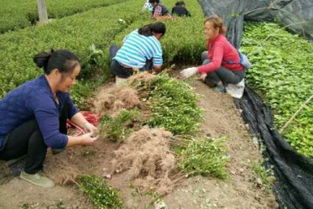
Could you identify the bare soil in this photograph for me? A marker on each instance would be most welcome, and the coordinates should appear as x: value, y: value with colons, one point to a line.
x: 221, y: 118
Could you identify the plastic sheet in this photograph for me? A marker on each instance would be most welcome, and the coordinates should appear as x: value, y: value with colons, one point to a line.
x: 296, y: 15
x: 294, y: 172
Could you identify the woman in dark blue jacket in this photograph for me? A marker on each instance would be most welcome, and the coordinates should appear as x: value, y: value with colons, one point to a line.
x: 33, y: 116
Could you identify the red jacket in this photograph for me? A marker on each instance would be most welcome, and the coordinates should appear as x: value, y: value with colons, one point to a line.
x: 218, y: 50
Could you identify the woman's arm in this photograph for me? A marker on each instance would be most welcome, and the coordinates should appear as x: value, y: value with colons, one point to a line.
x: 216, y: 61
x: 80, y: 120
x: 86, y: 139
x: 164, y: 17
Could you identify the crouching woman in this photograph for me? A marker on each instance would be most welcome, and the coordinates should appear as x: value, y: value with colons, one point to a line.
x: 222, y: 62
x: 141, y: 51
x: 33, y: 116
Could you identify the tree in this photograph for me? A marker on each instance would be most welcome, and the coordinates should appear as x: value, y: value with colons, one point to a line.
x: 42, y: 11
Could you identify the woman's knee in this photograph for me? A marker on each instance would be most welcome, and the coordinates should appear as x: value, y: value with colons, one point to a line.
x: 204, y: 56
x: 205, y: 62
x: 113, y: 50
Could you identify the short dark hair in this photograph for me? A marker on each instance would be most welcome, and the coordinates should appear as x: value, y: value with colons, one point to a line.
x: 180, y: 3
x: 63, y: 60
x: 156, y: 27
x: 154, y: 1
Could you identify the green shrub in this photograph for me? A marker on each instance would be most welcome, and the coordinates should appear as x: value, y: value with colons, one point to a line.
x: 116, y: 128
x: 76, y: 33
x: 173, y: 105
x: 204, y: 157
x: 99, y: 193
x: 23, y: 13
x: 184, y: 38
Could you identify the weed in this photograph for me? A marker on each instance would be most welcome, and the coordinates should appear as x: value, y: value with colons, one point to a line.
x: 25, y: 206
x: 265, y: 177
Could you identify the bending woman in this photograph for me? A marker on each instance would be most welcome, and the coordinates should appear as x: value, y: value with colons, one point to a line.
x: 33, y: 116
x: 221, y: 63
x: 141, y: 50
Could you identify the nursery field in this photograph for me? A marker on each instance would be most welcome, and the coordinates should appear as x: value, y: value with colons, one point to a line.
x: 20, y: 14
x: 164, y: 141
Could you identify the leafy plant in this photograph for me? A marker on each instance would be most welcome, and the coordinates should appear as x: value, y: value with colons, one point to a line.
x: 265, y: 176
x: 173, y: 105
x: 204, y: 157
x: 93, y: 63
x: 99, y: 193
x: 282, y: 73
x: 117, y: 128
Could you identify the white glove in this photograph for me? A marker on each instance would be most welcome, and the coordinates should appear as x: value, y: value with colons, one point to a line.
x: 203, y: 76
x: 188, y: 72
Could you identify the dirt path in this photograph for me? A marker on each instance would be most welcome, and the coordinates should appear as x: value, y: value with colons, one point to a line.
x: 221, y: 118
x: 240, y: 191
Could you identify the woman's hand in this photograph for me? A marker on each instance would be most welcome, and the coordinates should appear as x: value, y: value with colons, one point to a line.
x: 88, y: 139
x: 203, y: 76
x: 188, y: 72
x: 85, y: 139
x: 89, y: 128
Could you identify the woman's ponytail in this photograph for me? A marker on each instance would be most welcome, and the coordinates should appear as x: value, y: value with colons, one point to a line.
x: 156, y: 27
x: 145, y: 30
x: 42, y: 59
x: 63, y: 60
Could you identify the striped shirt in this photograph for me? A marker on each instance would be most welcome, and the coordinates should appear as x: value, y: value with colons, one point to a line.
x: 137, y: 49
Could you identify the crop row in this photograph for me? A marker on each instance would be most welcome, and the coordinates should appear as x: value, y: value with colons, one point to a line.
x: 23, y: 13
x: 282, y: 73
x: 76, y: 33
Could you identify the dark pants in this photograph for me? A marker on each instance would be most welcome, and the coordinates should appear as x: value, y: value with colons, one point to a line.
x: 223, y: 75
x: 121, y: 71
x: 27, y: 139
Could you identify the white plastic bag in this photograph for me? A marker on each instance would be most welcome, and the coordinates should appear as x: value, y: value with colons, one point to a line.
x: 236, y: 90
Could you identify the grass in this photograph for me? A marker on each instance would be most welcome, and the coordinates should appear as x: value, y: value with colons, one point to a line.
x: 265, y: 177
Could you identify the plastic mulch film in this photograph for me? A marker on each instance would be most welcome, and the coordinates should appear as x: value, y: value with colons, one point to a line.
x: 294, y: 172
x: 296, y: 15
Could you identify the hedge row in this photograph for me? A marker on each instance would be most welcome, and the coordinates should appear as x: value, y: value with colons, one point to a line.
x: 184, y: 38
x: 76, y: 33
x: 23, y: 13
x: 183, y: 42
x: 282, y: 72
